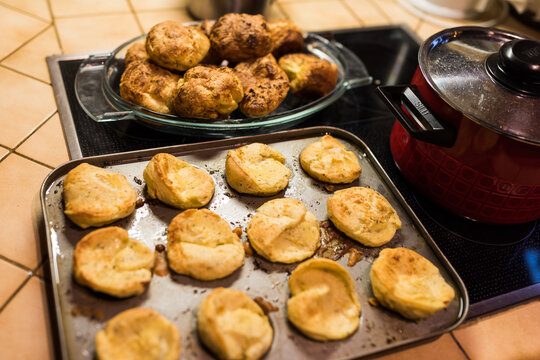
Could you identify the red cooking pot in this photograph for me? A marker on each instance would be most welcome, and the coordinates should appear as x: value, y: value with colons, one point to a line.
x: 468, y: 129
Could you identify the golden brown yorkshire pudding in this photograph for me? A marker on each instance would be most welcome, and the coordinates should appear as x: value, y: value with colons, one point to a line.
x: 136, y: 52
x: 286, y: 37
x: 208, y: 92
x: 265, y: 85
x: 175, y: 46
x: 148, y: 85
x: 309, y: 76
x: 239, y: 37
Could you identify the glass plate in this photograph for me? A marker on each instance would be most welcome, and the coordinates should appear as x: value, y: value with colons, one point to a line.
x: 97, y: 90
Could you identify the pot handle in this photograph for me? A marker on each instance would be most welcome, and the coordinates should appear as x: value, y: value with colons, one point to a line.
x: 415, y: 116
x: 89, y: 92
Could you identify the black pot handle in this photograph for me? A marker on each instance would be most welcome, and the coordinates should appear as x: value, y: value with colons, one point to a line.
x: 419, y: 120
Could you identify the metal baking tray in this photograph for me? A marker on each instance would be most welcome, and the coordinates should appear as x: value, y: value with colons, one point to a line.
x: 81, y: 313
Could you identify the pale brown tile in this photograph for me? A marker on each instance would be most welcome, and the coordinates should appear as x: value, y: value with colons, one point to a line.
x: 275, y: 13
x: 50, y: 137
x: 397, y: 14
x: 20, y: 210
x: 61, y: 8
x: 20, y: 28
x: 30, y: 59
x: 427, y: 29
x: 444, y: 348
x: 158, y: 4
x: 315, y: 15
x: 151, y: 18
x: 25, y: 104
x: 37, y: 8
x: 370, y: 14
x: 26, y: 326
x: 96, y: 33
x: 512, y: 334
x: 12, y: 277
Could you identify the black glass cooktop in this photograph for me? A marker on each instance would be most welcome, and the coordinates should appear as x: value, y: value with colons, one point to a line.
x: 499, y: 265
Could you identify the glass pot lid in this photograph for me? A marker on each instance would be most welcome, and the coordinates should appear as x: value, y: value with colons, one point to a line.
x: 490, y: 75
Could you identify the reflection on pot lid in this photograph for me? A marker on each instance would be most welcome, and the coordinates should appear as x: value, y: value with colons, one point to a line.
x: 497, y: 86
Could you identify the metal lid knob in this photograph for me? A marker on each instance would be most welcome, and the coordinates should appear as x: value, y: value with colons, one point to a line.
x: 517, y: 66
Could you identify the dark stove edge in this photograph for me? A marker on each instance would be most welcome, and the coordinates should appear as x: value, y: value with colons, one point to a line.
x: 501, y: 302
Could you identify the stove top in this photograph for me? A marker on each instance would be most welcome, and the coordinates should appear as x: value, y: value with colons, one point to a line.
x: 500, y: 266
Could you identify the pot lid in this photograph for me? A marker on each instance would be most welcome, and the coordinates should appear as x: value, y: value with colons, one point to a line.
x: 490, y: 75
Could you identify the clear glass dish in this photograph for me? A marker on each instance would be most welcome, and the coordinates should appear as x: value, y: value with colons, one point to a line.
x: 98, y: 78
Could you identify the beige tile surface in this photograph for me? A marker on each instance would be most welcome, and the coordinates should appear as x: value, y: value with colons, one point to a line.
x: 30, y: 59
x: 314, y: 15
x: 25, y: 324
x: 38, y: 8
x: 96, y: 33
x: 275, y: 13
x: 21, y: 181
x: 20, y: 27
x: 158, y: 4
x: 426, y: 29
x: 368, y: 12
x: 25, y: 104
x: 47, y: 144
x: 397, y: 14
x: 151, y: 18
x: 12, y: 277
x: 62, y: 8
x: 444, y: 348
x: 512, y: 334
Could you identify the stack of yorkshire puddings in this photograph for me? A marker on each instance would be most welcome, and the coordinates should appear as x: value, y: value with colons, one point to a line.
x: 181, y: 69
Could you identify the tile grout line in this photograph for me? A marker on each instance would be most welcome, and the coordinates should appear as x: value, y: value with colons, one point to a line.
x: 8, y: 6
x: 12, y: 296
x: 374, y: 3
x: 353, y: 13
x: 79, y: 16
x: 41, y: 265
x: 15, y: 263
x: 136, y: 16
x: 459, y: 345
x: 27, y: 41
x: 55, y: 27
x: 24, y: 74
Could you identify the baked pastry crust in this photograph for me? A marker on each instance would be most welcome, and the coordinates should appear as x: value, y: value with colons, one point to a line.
x: 363, y: 215
x: 233, y: 326
x: 328, y: 160
x: 208, y: 92
x: 408, y: 283
x: 108, y: 261
x: 323, y: 304
x: 256, y: 169
x: 239, y: 37
x: 95, y: 197
x: 177, y: 183
x: 202, y: 245
x: 138, y: 334
x: 146, y: 84
x: 283, y: 230
x: 309, y: 76
x: 136, y: 52
x: 175, y: 46
x: 265, y: 85
x: 286, y: 37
